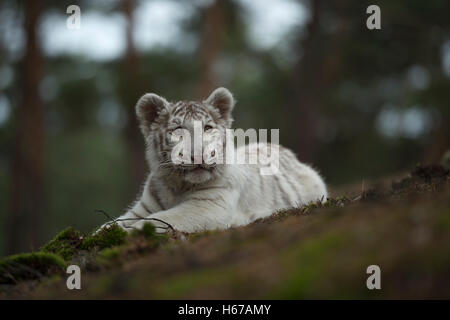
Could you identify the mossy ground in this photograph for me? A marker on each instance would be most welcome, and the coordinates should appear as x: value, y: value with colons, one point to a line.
x: 33, y: 265
x: 318, y: 251
x: 92, y: 252
x: 64, y: 244
x: 105, y: 238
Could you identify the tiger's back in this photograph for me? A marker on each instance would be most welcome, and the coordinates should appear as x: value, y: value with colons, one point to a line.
x: 294, y: 185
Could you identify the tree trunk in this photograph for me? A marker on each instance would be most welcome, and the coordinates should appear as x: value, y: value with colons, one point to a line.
x: 314, y: 74
x: 132, y: 91
x: 28, y: 204
x: 439, y: 144
x: 210, y: 47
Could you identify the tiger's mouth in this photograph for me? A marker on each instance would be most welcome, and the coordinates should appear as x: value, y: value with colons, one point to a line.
x: 199, y: 167
x: 195, y: 168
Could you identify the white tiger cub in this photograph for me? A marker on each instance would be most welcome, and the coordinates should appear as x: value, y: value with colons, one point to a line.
x: 206, y: 195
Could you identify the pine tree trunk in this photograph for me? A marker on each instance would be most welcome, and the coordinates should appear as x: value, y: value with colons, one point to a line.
x: 132, y: 92
x: 211, y: 45
x: 317, y: 70
x: 28, y: 202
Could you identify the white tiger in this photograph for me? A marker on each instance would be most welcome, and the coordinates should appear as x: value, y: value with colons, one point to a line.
x: 208, y: 195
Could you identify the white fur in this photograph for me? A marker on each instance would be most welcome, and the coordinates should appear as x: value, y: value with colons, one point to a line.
x: 237, y: 198
x: 228, y: 195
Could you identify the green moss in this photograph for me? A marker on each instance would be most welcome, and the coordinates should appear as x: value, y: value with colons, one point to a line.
x: 64, y: 244
x: 108, y: 255
x: 105, y: 238
x: 148, y: 231
x: 336, y: 202
x: 30, y: 266
x: 306, y: 264
x: 181, y: 286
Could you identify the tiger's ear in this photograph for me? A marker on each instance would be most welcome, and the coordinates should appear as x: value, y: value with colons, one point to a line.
x: 223, y: 101
x: 148, y: 108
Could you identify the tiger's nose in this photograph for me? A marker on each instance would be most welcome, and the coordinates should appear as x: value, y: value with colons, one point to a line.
x: 196, y: 159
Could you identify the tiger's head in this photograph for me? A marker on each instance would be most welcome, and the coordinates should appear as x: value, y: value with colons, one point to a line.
x: 186, y: 138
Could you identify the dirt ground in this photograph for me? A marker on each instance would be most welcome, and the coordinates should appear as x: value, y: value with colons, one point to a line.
x: 401, y: 224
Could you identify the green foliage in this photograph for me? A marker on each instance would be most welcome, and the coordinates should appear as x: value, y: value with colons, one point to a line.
x: 30, y: 266
x: 148, y: 231
x: 107, y: 256
x: 110, y: 253
x: 141, y: 240
x: 64, y: 244
x: 105, y: 238
x: 71, y: 170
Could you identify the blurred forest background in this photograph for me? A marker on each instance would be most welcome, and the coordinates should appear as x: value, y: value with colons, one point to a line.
x: 356, y: 103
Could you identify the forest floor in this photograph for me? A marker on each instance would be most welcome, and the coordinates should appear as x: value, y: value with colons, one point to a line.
x: 400, y: 224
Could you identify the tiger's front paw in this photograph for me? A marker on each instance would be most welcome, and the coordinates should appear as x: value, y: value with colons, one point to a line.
x: 104, y: 226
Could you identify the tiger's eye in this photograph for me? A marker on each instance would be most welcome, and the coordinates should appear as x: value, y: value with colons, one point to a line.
x: 207, y: 128
x: 175, y: 129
